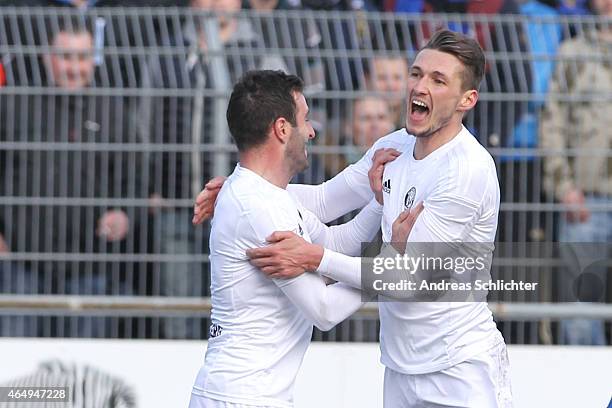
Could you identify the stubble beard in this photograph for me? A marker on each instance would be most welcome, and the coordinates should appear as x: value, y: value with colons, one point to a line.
x: 433, y: 129
x: 298, y: 162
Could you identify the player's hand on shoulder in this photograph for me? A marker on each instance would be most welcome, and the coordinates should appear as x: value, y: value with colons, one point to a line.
x: 375, y: 174
x: 204, y: 206
x: 402, y: 226
x: 287, y: 256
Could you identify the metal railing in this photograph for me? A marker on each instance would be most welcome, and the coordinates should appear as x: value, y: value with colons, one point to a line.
x: 141, y: 127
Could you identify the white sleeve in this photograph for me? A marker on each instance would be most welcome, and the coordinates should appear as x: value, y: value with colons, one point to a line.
x: 347, y: 269
x: 325, y: 306
x: 341, y: 268
x: 349, y: 189
x: 349, y: 237
x: 332, y: 199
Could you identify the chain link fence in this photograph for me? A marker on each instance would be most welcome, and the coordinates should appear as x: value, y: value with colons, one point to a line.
x: 111, y: 121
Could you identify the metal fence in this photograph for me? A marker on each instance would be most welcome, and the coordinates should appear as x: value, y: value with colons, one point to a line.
x: 112, y: 120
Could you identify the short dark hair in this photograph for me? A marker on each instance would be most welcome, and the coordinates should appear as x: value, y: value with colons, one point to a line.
x: 258, y: 99
x: 466, y: 50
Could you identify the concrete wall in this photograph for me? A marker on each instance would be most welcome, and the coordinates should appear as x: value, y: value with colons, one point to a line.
x: 333, y: 374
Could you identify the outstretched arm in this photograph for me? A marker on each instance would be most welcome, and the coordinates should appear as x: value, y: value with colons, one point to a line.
x: 347, y: 191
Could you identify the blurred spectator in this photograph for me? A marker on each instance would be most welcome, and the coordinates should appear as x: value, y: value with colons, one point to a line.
x: 582, y: 180
x: 280, y: 32
x: 109, y: 30
x: 266, y: 5
x: 184, y: 123
x: 543, y: 39
x: 403, y: 6
x: 371, y: 120
x: 69, y: 193
x: 235, y: 33
x: 388, y: 74
x: 368, y: 121
x: 573, y: 7
x: 337, y: 5
x: 84, y: 4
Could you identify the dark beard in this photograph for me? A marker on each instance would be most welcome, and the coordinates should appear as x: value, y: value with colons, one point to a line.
x: 297, y: 162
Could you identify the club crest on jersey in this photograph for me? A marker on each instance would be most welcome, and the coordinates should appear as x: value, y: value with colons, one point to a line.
x: 215, y: 330
x: 386, y: 187
x: 409, y: 198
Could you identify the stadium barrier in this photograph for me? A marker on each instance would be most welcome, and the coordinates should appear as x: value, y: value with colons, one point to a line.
x: 146, y: 128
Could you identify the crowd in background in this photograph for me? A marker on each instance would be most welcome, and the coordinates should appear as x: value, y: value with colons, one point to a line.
x: 563, y: 7
x: 121, y: 198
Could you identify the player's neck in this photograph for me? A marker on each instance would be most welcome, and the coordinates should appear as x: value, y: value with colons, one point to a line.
x: 425, y: 145
x: 266, y: 167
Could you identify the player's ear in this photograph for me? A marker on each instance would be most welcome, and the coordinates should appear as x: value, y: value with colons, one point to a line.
x: 468, y: 100
x: 281, y: 129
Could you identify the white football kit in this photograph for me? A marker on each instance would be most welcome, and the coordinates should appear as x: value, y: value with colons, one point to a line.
x: 262, y: 327
x: 459, y: 188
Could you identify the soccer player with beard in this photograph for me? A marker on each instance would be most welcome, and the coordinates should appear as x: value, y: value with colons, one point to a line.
x: 262, y: 327
x: 439, y: 354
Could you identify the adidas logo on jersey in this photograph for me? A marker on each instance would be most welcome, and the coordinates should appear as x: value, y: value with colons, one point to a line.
x: 387, y: 186
x: 299, y: 230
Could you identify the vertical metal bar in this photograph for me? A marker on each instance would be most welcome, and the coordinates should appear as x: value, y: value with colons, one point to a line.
x: 221, y: 83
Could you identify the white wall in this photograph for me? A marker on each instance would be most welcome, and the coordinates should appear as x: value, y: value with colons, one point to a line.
x: 333, y: 374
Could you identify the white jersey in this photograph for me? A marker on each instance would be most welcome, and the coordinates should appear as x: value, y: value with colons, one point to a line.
x: 458, y: 185
x: 262, y: 327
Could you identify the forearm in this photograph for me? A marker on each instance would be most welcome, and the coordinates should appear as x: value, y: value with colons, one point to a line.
x: 341, y: 268
x: 324, y: 305
x: 348, y: 238
x: 349, y: 270
x: 387, y: 276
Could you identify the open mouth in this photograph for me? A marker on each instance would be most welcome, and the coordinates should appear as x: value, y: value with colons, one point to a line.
x: 419, y: 109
